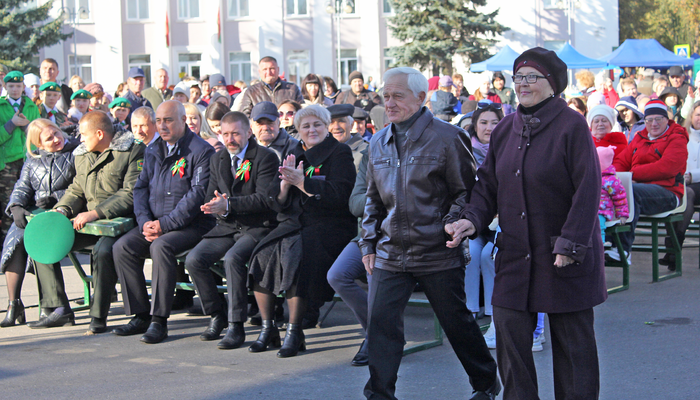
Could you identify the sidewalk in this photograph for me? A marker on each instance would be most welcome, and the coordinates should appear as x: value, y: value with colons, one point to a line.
x: 647, y: 338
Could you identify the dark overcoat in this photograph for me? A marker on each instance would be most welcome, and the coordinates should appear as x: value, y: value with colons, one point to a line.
x: 543, y: 179
x: 324, y: 219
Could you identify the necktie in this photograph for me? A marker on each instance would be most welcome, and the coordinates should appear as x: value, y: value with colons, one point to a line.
x: 234, y: 166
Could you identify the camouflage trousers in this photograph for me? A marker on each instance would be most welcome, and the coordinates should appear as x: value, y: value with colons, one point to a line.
x: 8, y: 178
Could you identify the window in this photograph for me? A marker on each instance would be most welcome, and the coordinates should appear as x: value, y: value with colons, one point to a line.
x: 190, y: 64
x: 348, y: 5
x: 296, y: 7
x: 238, y: 8
x: 188, y: 9
x: 387, y: 7
x: 348, y: 63
x: 81, y: 8
x: 240, y: 66
x: 136, y: 9
x: 554, y: 45
x: 388, y: 59
x: 83, y: 69
x: 298, y: 65
x: 142, y: 61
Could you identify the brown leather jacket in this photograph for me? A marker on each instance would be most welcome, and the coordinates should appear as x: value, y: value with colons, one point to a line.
x: 259, y: 92
x: 411, y: 198
x: 365, y: 100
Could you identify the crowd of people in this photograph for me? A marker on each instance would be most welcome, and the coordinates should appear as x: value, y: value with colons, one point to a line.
x: 506, y: 189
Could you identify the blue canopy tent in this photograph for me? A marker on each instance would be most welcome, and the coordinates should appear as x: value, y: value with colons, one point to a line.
x: 644, y: 53
x: 503, y: 60
x: 576, y: 60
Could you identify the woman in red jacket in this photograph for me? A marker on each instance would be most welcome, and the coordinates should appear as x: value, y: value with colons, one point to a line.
x: 657, y: 158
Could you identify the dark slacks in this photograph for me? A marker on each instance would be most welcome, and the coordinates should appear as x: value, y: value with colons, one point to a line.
x: 129, y: 253
x: 346, y: 268
x: 574, y: 354
x: 236, y: 251
x: 648, y: 199
x: 388, y: 296
x: 52, y: 289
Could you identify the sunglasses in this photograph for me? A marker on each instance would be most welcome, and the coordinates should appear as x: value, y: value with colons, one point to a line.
x: 482, y: 104
x: 289, y: 114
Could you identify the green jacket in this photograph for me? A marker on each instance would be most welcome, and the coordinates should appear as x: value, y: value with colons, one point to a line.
x: 12, y: 143
x: 104, y: 181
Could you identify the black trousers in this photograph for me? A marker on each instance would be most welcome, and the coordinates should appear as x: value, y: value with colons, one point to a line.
x: 52, y: 291
x: 129, y: 253
x: 389, y: 293
x: 574, y: 354
x: 236, y: 251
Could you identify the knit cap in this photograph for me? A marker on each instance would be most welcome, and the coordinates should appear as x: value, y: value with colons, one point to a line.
x: 604, y: 110
x: 656, y: 107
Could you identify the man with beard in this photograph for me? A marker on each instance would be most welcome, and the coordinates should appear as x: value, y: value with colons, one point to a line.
x: 240, y: 175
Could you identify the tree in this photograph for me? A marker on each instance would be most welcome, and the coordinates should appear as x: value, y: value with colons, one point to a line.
x: 24, y: 30
x: 670, y: 22
x: 435, y: 31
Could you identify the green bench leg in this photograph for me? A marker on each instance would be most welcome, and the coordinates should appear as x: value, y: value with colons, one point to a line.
x: 614, y: 233
x: 86, y: 279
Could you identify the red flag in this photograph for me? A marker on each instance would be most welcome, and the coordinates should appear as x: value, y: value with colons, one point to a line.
x: 218, y: 23
x: 167, y: 31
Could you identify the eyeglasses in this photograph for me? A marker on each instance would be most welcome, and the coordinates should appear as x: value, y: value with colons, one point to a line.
x: 658, y: 120
x: 482, y: 104
x: 532, y: 78
x: 289, y: 114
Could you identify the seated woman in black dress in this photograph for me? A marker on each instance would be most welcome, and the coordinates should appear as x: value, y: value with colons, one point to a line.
x: 311, y: 196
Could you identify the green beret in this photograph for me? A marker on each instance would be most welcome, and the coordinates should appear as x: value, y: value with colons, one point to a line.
x: 14, y: 76
x: 81, y: 94
x: 50, y: 87
x: 119, y: 102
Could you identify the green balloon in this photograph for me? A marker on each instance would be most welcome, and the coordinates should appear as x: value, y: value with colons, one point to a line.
x: 49, y: 237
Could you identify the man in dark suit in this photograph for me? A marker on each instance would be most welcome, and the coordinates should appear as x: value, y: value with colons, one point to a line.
x: 239, y: 178
x: 167, y: 200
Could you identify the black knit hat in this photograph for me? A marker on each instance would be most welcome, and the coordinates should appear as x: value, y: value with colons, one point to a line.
x: 548, y: 63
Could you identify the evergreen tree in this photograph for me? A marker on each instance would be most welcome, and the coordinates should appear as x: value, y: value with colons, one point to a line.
x: 434, y: 31
x: 25, y: 30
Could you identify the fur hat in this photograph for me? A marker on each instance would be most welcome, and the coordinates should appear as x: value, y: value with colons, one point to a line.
x: 548, y: 63
x: 605, y: 157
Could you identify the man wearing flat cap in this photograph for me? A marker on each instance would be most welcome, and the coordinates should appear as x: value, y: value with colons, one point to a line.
x: 357, y: 95
x: 135, y: 83
x: 50, y: 95
x: 341, y: 129
x: 359, y: 123
x: 677, y: 77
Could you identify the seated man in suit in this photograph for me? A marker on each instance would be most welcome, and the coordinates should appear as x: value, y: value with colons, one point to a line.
x: 239, y: 178
x: 167, y: 200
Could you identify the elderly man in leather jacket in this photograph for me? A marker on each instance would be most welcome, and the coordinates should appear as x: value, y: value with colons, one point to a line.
x: 419, y: 176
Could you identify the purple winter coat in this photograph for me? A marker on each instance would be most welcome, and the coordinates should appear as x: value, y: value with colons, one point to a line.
x: 543, y: 179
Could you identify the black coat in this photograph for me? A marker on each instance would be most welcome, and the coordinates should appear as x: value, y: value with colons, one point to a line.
x: 249, y: 211
x: 324, y: 219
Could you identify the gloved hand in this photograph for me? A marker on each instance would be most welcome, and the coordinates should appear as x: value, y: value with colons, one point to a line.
x: 19, y: 215
x: 46, y: 202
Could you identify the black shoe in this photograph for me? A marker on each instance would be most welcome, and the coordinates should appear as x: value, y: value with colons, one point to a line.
x: 255, y: 320
x: 45, y: 312
x: 235, y: 337
x: 54, y: 320
x: 156, y: 333
x: 269, y: 336
x: 362, y: 357
x: 216, y: 325
x: 309, y: 323
x: 98, y: 325
x: 134, y: 327
x: 14, y: 315
x: 183, y: 300
x: 489, y: 394
x: 294, y: 341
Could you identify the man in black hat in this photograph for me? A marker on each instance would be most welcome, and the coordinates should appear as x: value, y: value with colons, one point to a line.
x: 265, y: 122
x: 135, y: 83
x: 217, y: 83
x: 236, y: 196
x: 677, y: 78
x: 270, y: 88
x: 359, y: 123
x: 341, y: 129
x: 358, y: 95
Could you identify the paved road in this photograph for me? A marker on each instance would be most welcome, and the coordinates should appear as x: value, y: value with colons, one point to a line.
x: 647, y: 337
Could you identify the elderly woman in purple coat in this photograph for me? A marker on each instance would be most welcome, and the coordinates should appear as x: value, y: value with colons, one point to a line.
x: 542, y: 177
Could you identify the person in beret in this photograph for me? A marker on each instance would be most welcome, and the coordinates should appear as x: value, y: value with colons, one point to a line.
x: 50, y: 95
x: 357, y: 95
x: 16, y: 112
x: 99, y: 100
x: 81, y: 105
x: 120, y: 109
x: 542, y: 177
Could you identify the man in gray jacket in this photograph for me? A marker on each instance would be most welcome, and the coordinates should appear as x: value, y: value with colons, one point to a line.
x: 418, y: 179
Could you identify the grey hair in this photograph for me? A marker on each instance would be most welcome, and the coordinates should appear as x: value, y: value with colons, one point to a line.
x: 145, y: 112
x: 313, y: 110
x: 348, y: 119
x: 416, y: 81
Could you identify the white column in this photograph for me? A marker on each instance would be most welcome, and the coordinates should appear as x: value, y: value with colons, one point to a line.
x: 324, y: 38
x: 270, y: 16
x: 370, y: 50
x: 160, y: 54
x: 108, y: 56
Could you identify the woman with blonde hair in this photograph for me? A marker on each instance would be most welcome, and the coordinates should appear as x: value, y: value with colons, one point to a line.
x: 46, y: 174
x: 76, y: 83
x: 585, y: 81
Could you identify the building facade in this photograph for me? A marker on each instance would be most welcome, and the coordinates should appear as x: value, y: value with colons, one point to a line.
x: 198, y: 37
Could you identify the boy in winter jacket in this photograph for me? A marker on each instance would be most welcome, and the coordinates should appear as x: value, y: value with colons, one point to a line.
x: 613, y: 197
